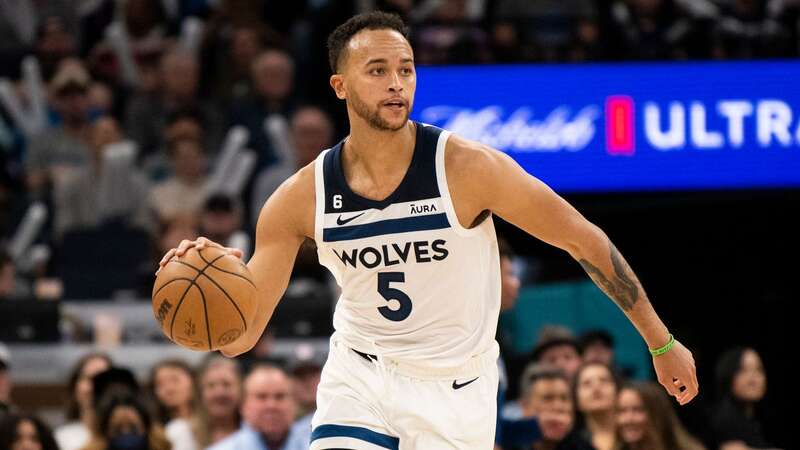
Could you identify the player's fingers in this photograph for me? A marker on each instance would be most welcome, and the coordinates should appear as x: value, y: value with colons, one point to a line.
x: 205, y: 242
x: 165, y: 259
x: 671, y: 388
x: 235, y: 252
x: 184, y: 246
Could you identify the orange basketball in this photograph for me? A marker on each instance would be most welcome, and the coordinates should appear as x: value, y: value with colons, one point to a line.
x: 204, y: 299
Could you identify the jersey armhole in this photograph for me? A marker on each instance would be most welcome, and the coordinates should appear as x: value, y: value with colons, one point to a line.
x: 444, y: 190
x: 319, y: 196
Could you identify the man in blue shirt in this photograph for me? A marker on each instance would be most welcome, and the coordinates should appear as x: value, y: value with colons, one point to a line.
x: 268, y: 412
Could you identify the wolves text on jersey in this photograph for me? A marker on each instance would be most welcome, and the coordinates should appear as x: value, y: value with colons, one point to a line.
x: 394, y: 253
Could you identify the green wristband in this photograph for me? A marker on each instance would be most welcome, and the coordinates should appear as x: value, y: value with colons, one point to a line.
x: 664, y: 349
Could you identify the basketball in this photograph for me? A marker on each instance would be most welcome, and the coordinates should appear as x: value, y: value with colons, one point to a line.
x: 204, y: 299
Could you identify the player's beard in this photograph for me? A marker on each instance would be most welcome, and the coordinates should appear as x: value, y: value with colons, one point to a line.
x: 373, y: 117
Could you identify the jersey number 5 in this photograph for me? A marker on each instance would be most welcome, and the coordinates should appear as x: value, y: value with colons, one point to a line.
x: 390, y: 293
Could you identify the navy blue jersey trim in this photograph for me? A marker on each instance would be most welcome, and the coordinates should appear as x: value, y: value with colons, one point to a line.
x: 419, y: 182
x: 360, y: 433
x: 391, y: 226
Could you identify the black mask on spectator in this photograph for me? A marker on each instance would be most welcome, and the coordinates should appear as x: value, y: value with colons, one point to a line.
x: 128, y: 441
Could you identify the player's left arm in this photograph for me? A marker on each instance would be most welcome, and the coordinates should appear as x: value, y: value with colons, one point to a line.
x: 494, y: 181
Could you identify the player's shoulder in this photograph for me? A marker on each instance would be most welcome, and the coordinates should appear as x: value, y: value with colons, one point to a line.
x: 299, y: 186
x: 469, y: 158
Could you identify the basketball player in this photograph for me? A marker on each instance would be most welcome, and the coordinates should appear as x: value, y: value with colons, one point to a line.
x: 402, y: 216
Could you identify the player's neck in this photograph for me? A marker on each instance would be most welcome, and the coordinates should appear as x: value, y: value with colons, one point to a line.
x: 379, y: 153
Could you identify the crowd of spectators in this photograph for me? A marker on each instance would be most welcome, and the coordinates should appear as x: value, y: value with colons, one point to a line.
x: 146, y: 114
x: 154, y: 121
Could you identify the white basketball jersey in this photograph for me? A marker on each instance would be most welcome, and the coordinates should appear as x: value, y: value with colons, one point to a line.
x: 416, y: 285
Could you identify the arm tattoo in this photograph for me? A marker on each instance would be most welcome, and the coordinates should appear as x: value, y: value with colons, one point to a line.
x: 623, y: 289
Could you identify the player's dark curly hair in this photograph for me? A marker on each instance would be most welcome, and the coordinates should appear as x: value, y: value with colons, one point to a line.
x: 375, y: 20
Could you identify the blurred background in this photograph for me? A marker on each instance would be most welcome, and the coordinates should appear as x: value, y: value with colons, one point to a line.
x: 127, y: 126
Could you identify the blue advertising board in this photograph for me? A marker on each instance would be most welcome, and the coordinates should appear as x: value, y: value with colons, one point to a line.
x: 628, y: 127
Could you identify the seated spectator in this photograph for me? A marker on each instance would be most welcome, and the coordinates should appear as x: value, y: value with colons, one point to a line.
x: 112, y: 381
x: 173, y: 232
x: 221, y: 221
x: 220, y: 382
x: 172, y: 386
x: 647, y: 421
x: 595, y: 390
x: 538, y: 31
x: 306, y: 369
x: 56, y: 153
x: 558, y: 347
x: 311, y: 132
x: 123, y: 422
x: 741, y: 385
x: 272, y: 74
x: 598, y: 346
x: 24, y: 432
x: 546, y: 396
x: 108, y: 188
x: 233, y: 50
x: 80, y: 411
x: 509, y: 433
x: 448, y: 36
x: 657, y: 29
x: 268, y: 411
x: 146, y: 114
x: 5, y: 381
x: 746, y: 30
x: 55, y: 37
x: 184, y: 192
x: 183, y: 124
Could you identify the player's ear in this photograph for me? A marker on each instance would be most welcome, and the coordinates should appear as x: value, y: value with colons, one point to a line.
x: 337, y: 83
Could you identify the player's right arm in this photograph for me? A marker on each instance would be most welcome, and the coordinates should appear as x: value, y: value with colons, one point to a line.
x: 284, y: 222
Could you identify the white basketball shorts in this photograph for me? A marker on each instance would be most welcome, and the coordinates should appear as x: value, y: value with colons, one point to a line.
x: 364, y: 403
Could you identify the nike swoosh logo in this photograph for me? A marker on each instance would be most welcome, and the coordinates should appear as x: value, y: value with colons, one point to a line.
x: 459, y: 386
x: 339, y: 220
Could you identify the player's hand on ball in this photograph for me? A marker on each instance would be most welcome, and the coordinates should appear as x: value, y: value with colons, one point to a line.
x: 198, y: 243
x: 676, y: 371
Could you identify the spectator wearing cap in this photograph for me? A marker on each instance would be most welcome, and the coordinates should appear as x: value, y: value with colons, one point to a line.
x: 558, y: 347
x: 306, y: 370
x: 109, y: 188
x: 56, y: 153
x: 80, y: 406
x: 218, y: 416
x: 598, y: 346
x: 5, y: 380
x: 268, y: 410
x: 221, y: 221
x: 184, y: 192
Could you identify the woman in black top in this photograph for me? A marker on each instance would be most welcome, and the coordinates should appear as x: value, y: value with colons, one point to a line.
x: 741, y: 385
